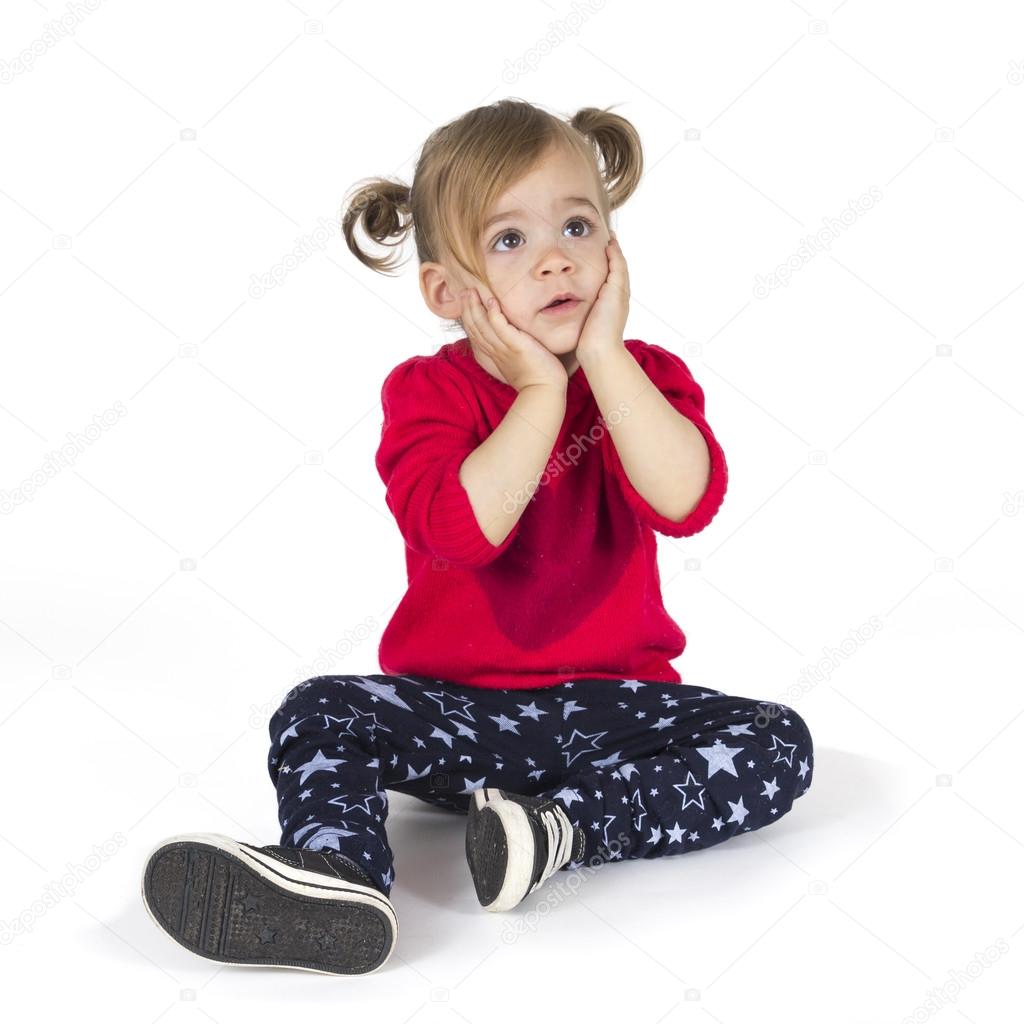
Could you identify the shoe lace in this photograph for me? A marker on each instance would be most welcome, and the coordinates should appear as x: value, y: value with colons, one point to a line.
x: 559, y: 832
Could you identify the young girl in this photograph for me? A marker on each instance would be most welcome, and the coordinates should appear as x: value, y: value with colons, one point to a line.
x: 527, y: 678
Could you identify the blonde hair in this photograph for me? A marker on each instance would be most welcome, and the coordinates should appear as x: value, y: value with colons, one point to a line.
x: 465, y: 166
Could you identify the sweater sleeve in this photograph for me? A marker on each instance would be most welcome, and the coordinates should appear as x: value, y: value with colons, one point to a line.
x: 673, y: 379
x: 426, y: 434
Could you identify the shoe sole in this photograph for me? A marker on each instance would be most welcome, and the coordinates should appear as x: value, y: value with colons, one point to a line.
x: 500, y: 849
x: 225, y: 902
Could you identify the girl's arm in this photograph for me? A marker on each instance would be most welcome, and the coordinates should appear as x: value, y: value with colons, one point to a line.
x: 664, y: 454
x: 496, y: 475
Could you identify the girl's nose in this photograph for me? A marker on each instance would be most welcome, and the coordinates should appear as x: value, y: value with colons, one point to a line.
x: 557, y: 258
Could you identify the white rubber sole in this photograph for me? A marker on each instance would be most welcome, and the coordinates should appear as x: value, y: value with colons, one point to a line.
x: 509, y: 832
x: 295, y: 886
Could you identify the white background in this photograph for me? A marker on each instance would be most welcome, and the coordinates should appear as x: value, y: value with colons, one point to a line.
x: 865, y: 567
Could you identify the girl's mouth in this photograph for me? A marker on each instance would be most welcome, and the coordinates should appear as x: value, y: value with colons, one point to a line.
x: 561, y: 308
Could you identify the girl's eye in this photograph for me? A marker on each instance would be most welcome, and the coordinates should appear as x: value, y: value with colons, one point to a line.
x: 513, y: 233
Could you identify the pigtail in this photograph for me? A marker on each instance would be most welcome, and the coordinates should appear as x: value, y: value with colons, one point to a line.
x: 383, y: 209
x: 617, y: 143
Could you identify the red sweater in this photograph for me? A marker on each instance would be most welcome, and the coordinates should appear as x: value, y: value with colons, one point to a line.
x: 573, y: 592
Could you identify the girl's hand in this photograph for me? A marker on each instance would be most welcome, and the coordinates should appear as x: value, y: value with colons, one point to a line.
x: 606, y: 321
x: 520, y: 357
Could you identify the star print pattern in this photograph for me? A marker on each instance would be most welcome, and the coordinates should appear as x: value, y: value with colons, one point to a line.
x: 645, y: 769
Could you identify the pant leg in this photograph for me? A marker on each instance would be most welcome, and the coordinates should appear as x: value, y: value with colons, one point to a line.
x: 339, y: 743
x: 323, y: 761
x: 656, y: 769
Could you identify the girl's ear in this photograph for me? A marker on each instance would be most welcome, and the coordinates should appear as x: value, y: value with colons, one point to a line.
x: 439, y: 291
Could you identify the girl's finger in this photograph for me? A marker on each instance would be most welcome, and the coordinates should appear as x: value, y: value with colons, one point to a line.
x: 508, y: 336
x: 618, y: 262
x: 490, y: 320
x: 471, y: 320
x: 466, y: 310
x: 484, y: 333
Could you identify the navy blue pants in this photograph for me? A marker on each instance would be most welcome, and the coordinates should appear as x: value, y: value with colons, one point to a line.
x: 647, y: 769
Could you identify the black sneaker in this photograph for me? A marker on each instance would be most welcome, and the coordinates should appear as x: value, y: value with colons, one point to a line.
x: 516, y: 842
x: 268, y: 905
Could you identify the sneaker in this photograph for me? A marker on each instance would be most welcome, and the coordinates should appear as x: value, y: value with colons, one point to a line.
x: 268, y: 905
x: 514, y: 843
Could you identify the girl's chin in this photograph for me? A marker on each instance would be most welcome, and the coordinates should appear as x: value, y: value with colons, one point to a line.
x: 560, y: 341
x: 559, y: 338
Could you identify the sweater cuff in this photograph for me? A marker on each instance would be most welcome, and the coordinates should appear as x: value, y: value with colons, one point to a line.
x: 710, y: 501
x: 454, y: 525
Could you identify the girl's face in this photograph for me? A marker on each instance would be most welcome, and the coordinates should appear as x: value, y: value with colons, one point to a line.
x: 546, y: 236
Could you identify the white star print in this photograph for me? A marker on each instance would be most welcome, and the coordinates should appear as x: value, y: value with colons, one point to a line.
x: 638, y: 818
x: 738, y: 730
x: 291, y: 730
x: 608, y: 761
x: 505, y: 724
x: 739, y: 812
x: 592, y: 737
x: 342, y: 802
x: 690, y: 783
x: 383, y: 691
x: 719, y: 757
x: 531, y: 711
x: 569, y: 796
x: 440, y: 697
x: 441, y: 735
x: 608, y: 819
x: 676, y: 834
x: 319, y: 763
x: 783, y: 750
